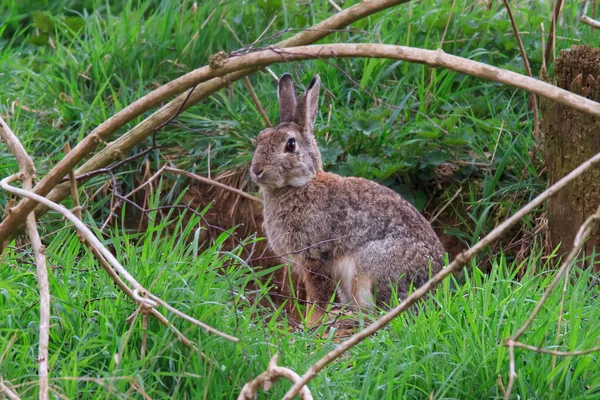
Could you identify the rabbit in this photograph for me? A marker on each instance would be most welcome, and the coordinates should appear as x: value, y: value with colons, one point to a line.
x: 340, y: 232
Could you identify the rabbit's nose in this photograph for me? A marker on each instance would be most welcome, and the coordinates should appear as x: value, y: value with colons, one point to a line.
x: 258, y: 170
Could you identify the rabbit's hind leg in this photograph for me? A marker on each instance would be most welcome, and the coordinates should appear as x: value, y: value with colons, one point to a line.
x: 320, y: 289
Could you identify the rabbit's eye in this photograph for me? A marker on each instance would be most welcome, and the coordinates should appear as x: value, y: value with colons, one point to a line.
x: 290, y: 145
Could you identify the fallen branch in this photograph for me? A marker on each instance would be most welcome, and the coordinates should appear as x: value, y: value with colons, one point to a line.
x: 536, y: 118
x: 139, y: 293
x: 10, y: 395
x: 587, y: 20
x: 13, y: 222
x: 266, y: 379
x: 455, y: 266
x: 512, y: 342
x: 27, y: 175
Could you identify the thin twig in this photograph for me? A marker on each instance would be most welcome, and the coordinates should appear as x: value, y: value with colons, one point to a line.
x: 212, y: 182
x: 266, y: 379
x: 536, y: 118
x: 259, y: 107
x: 144, y: 335
x: 74, y: 191
x: 455, y: 266
x: 27, y: 175
x: 556, y: 352
x: 587, y: 20
x: 512, y: 374
x: 192, y: 320
x: 10, y: 395
x: 552, y: 35
x: 334, y: 5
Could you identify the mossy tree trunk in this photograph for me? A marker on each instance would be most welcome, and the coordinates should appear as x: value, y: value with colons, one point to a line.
x: 572, y: 137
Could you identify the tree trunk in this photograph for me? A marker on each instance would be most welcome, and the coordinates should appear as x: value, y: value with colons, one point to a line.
x: 572, y: 137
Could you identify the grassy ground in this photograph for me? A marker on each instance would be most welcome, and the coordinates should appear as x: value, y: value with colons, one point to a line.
x: 70, y: 65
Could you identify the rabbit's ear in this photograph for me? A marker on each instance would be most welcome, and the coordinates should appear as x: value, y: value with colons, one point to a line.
x: 308, y: 105
x: 287, y: 98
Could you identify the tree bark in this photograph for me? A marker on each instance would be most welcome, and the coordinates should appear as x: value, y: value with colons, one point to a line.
x: 570, y: 138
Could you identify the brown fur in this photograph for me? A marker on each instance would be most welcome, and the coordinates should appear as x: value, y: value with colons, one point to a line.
x: 350, y: 231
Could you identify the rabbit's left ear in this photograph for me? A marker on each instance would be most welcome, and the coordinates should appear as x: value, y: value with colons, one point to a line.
x: 286, y: 92
x: 308, y: 105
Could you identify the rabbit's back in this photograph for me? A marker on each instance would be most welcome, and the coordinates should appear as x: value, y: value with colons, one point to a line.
x: 379, y: 236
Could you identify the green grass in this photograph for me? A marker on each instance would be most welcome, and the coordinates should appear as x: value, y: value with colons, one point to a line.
x: 67, y: 65
x: 451, y: 346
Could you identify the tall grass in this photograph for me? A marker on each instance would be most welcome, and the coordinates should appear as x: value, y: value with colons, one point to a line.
x: 450, y: 345
x: 67, y: 65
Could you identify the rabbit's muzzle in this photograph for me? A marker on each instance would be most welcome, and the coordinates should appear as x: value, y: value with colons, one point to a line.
x: 256, y: 171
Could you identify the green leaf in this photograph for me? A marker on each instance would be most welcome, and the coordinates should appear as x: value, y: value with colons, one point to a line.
x: 329, y: 155
x: 436, y: 157
x: 429, y: 134
x: 366, y: 126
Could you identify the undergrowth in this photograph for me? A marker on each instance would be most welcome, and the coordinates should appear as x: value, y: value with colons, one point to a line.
x: 68, y: 65
x: 450, y: 345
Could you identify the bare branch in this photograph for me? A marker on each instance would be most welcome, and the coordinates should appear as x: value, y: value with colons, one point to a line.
x: 10, y: 395
x: 13, y: 222
x: 512, y: 374
x: 552, y: 35
x: 27, y: 174
x: 554, y: 352
x: 212, y: 182
x: 259, y: 107
x: 266, y: 379
x: 536, y: 118
x: 455, y: 266
x: 587, y: 20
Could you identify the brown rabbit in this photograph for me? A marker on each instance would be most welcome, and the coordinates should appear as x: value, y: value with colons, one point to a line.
x: 348, y: 233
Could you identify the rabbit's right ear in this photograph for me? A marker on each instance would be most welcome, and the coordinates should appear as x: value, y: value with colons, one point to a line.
x: 287, y: 98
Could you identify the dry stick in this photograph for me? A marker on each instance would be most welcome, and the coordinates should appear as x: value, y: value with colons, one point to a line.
x: 12, y: 223
x: 436, y: 58
x: 512, y: 342
x: 454, y: 266
x: 560, y: 311
x: 211, y: 182
x: 536, y: 118
x: 27, y: 175
x: 587, y: 20
x: 334, y: 5
x: 551, y: 36
x: 10, y: 395
x: 144, y: 335
x: 74, y: 191
x: 140, y: 294
x: 259, y: 107
x: 512, y: 375
x: 556, y: 352
x: 266, y: 379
